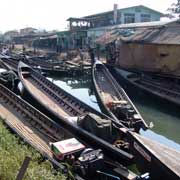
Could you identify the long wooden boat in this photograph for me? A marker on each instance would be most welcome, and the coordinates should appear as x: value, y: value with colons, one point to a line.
x: 46, y: 67
x: 30, y: 124
x: 13, y: 64
x: 161, y: 88
x: 66, y: 109
x: 113, y: 100
x: 161, y: 161
x: 52, y: 68
x: 39, y: 131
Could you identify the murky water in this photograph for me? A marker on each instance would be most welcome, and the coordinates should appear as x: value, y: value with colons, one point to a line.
x: 165, y: 117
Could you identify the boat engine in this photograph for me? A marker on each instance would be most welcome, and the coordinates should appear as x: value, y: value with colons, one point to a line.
x: 89, y: 162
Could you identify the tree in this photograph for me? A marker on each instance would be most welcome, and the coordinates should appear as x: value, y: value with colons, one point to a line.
x: 175, y: 9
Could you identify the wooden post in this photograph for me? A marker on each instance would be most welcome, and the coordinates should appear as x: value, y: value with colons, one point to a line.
x: 23, y: 168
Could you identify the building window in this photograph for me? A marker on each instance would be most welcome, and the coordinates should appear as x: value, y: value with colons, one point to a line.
x: 145, y: 17
x: 137, y: 10
x: 129, y: 18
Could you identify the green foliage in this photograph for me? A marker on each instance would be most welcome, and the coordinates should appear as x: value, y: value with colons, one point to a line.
x: 175, y: 8
x: 12, y: 154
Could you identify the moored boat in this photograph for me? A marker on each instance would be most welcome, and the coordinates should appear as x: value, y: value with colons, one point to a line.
x: 66, y: 109
x: 83, y: 121
x: 30, y: 124
x: 161, y: 161
x: 44, y: 135
x: 113, y: 100
x: 3, y: 65
x: 7, y: 77
x: 164, y: 89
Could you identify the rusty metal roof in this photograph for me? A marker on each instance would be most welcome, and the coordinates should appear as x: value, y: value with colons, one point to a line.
x: 162, y: 35
x: 165, y: 34
x: 107, y: 38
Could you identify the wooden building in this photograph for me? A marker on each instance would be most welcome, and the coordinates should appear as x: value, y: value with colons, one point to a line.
x: 127, y: 15
x: 146, y: 48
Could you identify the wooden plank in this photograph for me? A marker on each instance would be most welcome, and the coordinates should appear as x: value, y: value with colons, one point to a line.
x: 24, y: 129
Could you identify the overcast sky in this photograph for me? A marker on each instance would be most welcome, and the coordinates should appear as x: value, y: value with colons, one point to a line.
x: 52, y: 14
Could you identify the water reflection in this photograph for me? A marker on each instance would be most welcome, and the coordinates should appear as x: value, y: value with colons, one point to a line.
x: 80, y: 87
x: 165, y: 116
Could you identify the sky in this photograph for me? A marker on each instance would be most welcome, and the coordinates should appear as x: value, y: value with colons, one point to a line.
x: 52, y: 14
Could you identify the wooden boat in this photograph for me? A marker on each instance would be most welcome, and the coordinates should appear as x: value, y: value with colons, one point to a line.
x: 30, y: 124
x: 7, y: 77
x: 113, y: 100
x: 66, y: 109
x: 3, y: 65
x: 158, y: 159
x: 39, y: 131
x: 52, y: 68
x: 161, y: 161
x: 163, y: 89
x: 55, y: 69
x: 12, y: 64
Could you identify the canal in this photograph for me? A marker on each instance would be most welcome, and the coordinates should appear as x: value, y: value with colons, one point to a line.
x: 164, y: 116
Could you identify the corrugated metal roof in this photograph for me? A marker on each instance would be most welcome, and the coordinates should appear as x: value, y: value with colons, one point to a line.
x: 107, y: 38
x: 161, y: 35
x: 134, y: 25
x: 168, y: 33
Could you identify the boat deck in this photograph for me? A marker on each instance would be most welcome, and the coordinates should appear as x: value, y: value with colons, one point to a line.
x: 168, y: 91
x: 32, y: 126
x: 24, y: 129
x: 46, y: 99
x: 168, y: 156
x: 3, y: 65
x: 114, y: 100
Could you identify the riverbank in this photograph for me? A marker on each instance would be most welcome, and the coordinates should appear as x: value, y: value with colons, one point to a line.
x: 12, y: 153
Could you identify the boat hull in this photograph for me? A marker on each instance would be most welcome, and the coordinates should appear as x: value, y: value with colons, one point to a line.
x: 82, y: 135
x: 174, y: 100
x: 110, y: 91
